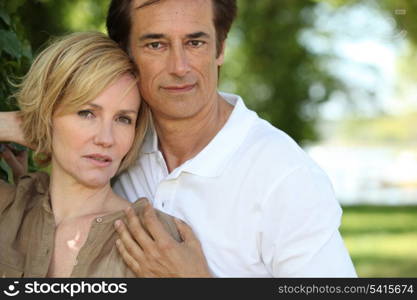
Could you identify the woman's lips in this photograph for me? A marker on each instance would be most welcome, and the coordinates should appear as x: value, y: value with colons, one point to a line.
x: 99, y: 160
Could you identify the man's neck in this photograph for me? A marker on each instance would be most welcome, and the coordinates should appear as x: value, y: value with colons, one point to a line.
x: 181, y: 140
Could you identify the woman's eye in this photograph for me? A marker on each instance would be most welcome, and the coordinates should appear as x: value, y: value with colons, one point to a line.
x: 125, y: 120
x: 87, y: 114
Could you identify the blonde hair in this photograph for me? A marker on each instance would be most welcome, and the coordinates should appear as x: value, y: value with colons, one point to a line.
x: 69, y: 73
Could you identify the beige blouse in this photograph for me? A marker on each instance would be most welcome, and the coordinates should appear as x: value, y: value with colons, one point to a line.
x: 27, y: 233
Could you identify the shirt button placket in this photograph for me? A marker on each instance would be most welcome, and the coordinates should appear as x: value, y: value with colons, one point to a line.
x: 166, y: 193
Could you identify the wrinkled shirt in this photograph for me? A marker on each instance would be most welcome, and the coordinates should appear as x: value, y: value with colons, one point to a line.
x: 27, y: 234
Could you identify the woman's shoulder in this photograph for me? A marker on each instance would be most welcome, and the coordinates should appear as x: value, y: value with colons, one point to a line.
x: 28, y: 186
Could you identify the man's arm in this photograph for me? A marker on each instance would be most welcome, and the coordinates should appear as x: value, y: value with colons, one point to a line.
x: 300, y: 236
x: 10, y: 128
x: 149, y: 251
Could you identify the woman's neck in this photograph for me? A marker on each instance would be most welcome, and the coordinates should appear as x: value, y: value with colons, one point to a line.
x: 71, y: 199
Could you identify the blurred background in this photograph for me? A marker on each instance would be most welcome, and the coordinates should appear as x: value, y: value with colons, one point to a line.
x: 337, y: 76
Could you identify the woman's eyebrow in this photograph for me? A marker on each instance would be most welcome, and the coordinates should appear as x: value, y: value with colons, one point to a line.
x: 124, y: 111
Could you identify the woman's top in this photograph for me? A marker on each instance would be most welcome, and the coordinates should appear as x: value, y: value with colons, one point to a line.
x: 27, y: 234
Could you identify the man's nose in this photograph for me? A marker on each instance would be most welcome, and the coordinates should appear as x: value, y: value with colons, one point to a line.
x: 178, y: 62
x: 104, y: 136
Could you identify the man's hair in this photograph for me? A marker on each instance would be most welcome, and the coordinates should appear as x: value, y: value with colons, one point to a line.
x: 68, y: 74
x: 119, y: 20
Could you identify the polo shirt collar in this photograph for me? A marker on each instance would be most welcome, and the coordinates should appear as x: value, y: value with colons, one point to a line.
x: 150, y: 143
x: 213, y: 159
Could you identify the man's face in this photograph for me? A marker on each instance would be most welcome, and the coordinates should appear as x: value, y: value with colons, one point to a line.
x: 173, y: 43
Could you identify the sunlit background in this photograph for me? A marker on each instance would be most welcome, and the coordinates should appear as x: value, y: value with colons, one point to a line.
x: 338, y: 76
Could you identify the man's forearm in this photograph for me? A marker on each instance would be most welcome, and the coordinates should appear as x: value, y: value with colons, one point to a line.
x: 10, y: 128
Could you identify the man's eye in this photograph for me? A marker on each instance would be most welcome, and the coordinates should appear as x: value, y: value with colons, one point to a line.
x: 125, y: 120
x: 196, y: 43
x: 86, y: 114
x: 154, y: 45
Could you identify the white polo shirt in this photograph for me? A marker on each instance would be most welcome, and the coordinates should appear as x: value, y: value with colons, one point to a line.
x: 258, y: 204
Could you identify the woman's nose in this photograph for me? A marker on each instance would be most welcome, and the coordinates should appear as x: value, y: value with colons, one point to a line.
x: 104, y: 136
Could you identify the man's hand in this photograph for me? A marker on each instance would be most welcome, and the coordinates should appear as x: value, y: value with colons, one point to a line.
x: 149, y: 250
x: 18, y: 162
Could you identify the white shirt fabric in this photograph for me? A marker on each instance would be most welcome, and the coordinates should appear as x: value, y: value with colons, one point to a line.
x: 258, y: 204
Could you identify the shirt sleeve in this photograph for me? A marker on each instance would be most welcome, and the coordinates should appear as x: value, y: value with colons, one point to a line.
x: 299, y: 228
x: 7, y: 192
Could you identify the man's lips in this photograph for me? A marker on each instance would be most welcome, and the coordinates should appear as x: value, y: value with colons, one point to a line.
x: 100, y: 160
x: 179, y: 88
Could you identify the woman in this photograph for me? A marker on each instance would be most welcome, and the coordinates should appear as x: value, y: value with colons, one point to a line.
x: 81, y: 112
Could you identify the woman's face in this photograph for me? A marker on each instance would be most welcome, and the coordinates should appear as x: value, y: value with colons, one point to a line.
x: 89, y: 144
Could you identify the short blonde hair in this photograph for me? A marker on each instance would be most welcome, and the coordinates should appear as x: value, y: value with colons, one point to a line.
x: 69, y: 73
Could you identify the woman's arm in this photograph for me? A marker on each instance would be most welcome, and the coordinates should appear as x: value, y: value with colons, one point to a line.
x: 10, y: 128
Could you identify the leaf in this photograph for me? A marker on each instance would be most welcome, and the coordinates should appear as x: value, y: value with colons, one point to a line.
x: 27, y: 50
x: 4, y: 16
x: 10, y: 43
x: 12, y: 6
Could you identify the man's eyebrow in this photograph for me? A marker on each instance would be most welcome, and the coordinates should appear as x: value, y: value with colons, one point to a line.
x: 196, y: 35
x: 147, y: 3
x: 151, y: 36
x: 157, y: 36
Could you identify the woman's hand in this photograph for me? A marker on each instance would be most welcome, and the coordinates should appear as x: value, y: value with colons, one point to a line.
x: 17, y: 160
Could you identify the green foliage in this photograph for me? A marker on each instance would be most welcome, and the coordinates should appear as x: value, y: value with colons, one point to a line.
x: 50, y: 18
x: 15, y: 51
x: 273, y: 70
x: 16, y: 55
x: 381, y: 240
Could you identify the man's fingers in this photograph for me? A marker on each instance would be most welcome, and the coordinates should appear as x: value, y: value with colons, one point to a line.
x: 154, y: 225
x: 187, y: 234
x: 138, y: 232
x: 128, y: 241
x: 128, y: 259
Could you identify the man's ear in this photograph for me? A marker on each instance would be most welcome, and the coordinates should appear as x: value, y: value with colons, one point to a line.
x: 220, y: 56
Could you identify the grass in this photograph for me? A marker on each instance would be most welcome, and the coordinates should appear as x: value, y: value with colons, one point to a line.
x: 382, y: 240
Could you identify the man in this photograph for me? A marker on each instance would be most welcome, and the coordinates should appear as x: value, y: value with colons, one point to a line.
x: 259, y: 206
